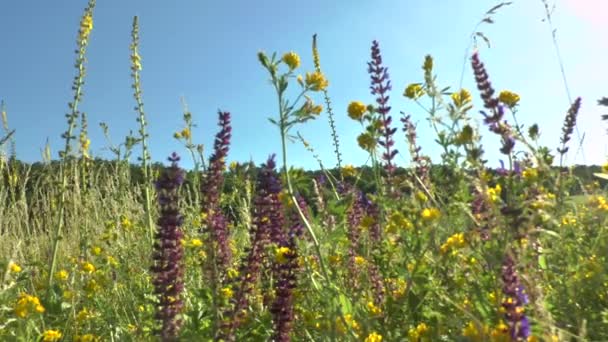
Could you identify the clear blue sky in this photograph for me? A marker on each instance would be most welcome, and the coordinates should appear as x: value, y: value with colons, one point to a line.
x: 206, y: 52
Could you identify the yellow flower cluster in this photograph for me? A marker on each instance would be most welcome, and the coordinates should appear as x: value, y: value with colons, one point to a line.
x: 452, y: 243
x: 15, y: 268
x: 461, y: 98
x: 494, y: 193
x: 569, y: 219
x: 227, y: 292
x: 599, y: 202
x: 367, y: 142
x: 373, y: 337
x: 417, y: 334
x: 185, y: 133
x: 373, y: 309
x: 350, y: 321
x: 27, y: 304
x: 281, y: 254
x: 51, y: 335
x: 316, y: 81
x: 529, y: 174
x: 430, y: 214
x: 86, y: 338
x: 510, y: 99
x: 356, y: 109
x: 349, y: 171
x: 499, y: 333
x: 292, y: 60
x: 86, y: 26
x: 413, y: 91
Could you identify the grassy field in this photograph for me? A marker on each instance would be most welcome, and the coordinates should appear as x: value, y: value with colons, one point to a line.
x: 444, y: 250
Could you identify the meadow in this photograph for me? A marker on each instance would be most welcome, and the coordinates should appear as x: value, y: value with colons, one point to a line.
x: 439, y: 250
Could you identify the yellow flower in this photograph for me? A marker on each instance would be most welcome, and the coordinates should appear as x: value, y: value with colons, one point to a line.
x: 88, y: 267
x: 26, y: 304
x: 86, y: 26
x: 461, y: 98
x: 14, y: 267
x: 510, y: 99
x: 366, y: 141
x: 349, y: 171
x: 195, y: 243
x: 372, y: 308
x: 417, y: 332
x: 83, y: 315
x: 494, y: 193
x: 51, y: 335
x: 292, y: 60
x: 413, y: 91
x: 227, y: 292
x: 186, y: 133
x: 356, y: 109
x: 177, y: 135
x: 300, y: 80
x: 86, y: 338
x: 373, y: 337
x: 96, y: 250
x: 430, y: 214
x: 359, y: 260
x: 316, y: 109
x: 281, y: 254
x: 62, y: 275
x: 316, y: 81
x: 125, y: 222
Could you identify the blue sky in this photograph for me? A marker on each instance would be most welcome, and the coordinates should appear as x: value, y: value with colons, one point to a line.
x: 206, y: 52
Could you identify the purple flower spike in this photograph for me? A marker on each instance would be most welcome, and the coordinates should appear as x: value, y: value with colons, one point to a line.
x: 168, y: 267
x: 380, y: 86
x: 514, y: 302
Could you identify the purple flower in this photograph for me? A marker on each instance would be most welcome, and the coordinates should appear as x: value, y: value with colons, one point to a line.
x: 514, y: 302
x: 494, y: 121
x: 168, y: 267
x: 380, y: 86
x: 216, y: 223
x: 569, y: 124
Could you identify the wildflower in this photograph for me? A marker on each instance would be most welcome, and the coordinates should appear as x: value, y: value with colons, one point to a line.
x: 373, y: 309
x: 51, y: 335
x: 195, y: 243
x: 125, y: 222
x: 186, y: 133
x: 292, y: 60
x: 380, y: 86
x: 349, y: 171
x: 569, y: 124
x: 453, y: 242
x: 356, y: 109
x: 359, y: 260
x: 316, y: 81
x: 87, y: 267
x: 267, y: 221
x: 415, y: 334
x: 494, y: 193
x: 281, y: 253
x: 15, y: 268
x: 510, y: 99
x: 529, y: 174
x: 414, y: 91
x: 367, y: 142
x: 86, y: 338
x: 168, y: 266
x: 461, y: 98
x: 430, y: 214
x: 96, y: 250
x: 515, y: 299
x: 373, y: 337
x: 27, y: 304
x: 83, y: 315
x: 215, y: 221
x: 86, y: 26
x: 227, y: 292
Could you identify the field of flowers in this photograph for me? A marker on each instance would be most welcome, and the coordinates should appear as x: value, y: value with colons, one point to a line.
x: 443, y: 250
